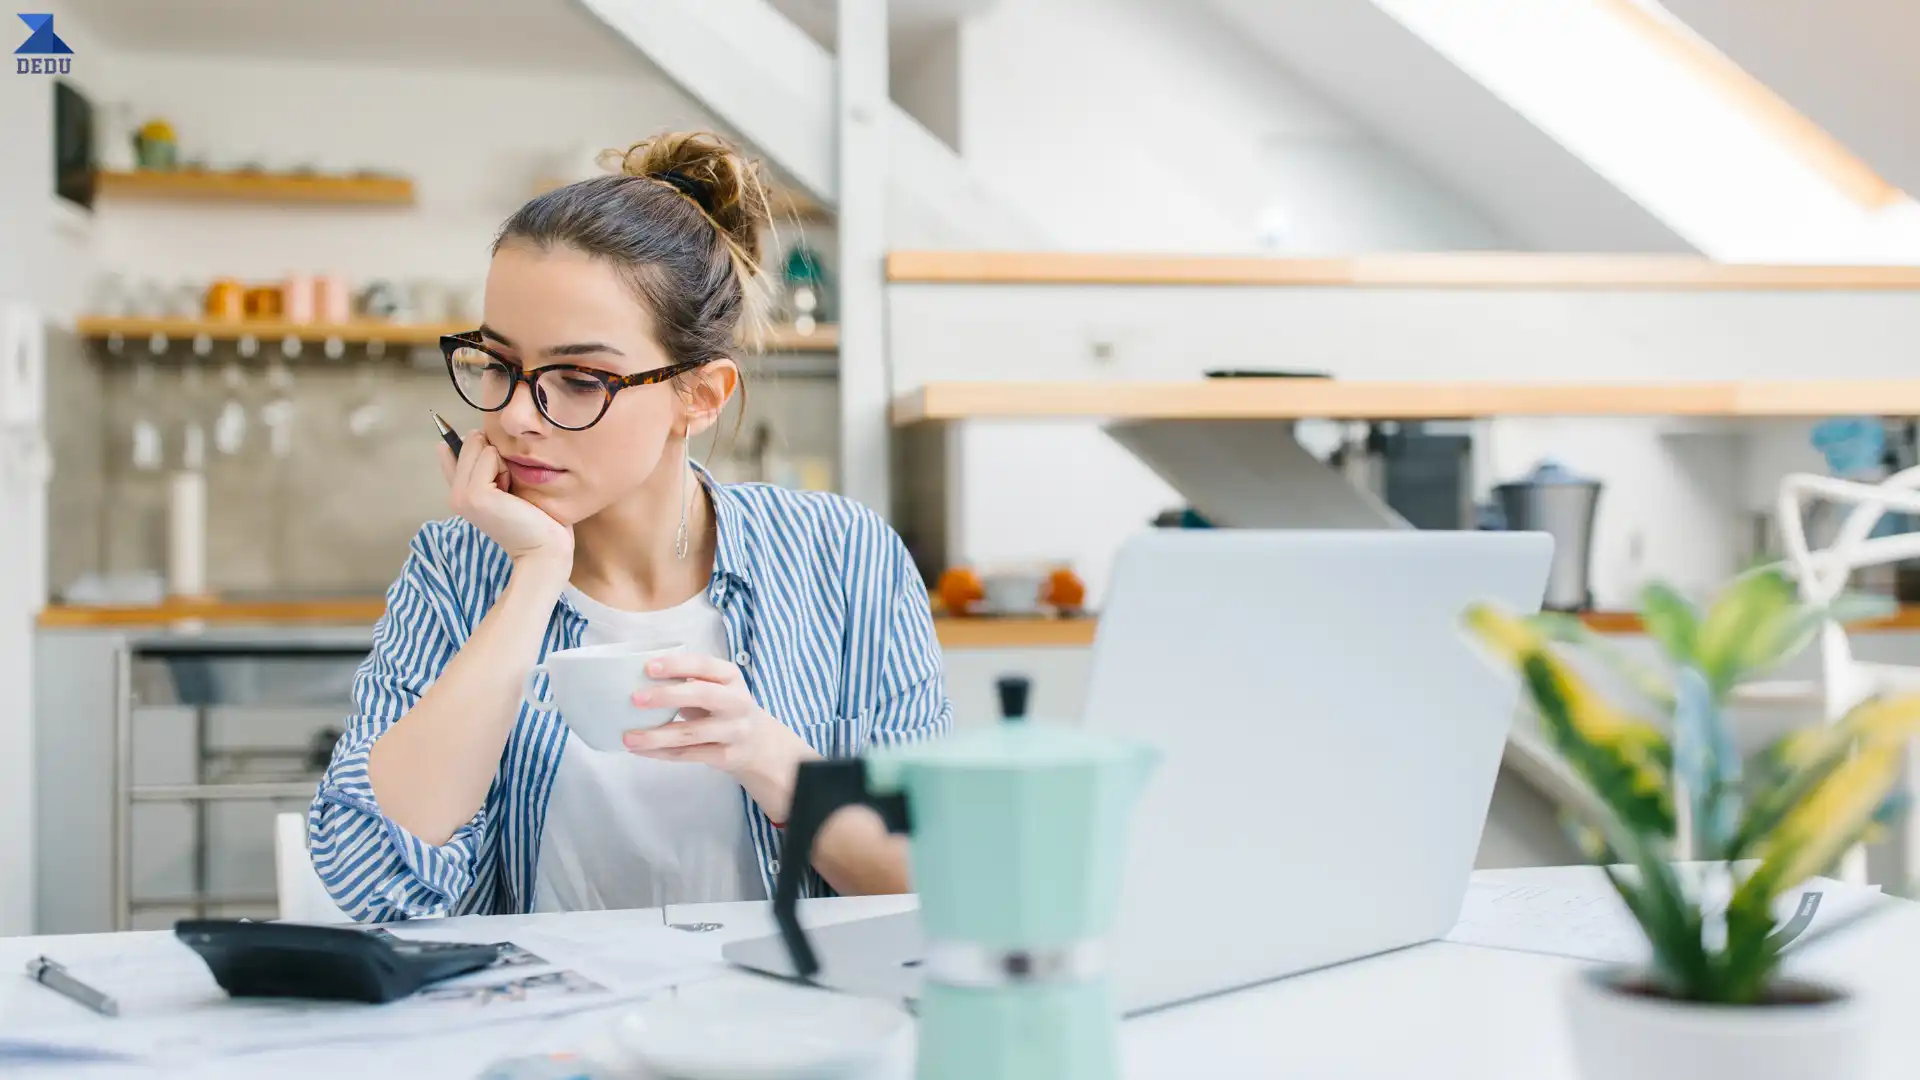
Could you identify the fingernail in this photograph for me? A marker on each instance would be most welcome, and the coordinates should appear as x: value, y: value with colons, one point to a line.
x: 632, y: 740
x: 654, y: 667
x: 641, y: 698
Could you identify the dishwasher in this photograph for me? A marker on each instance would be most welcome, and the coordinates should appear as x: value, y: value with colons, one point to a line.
x: 214, y: 733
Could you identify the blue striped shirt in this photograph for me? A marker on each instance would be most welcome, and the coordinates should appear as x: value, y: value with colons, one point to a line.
x: 826, y: 616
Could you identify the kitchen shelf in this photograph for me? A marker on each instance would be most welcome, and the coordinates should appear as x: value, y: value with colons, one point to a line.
x: 267, y: 330
x: 825, y: 338
x: 257, y: 187
x: 1491, y: 270
x: 1333, y: 399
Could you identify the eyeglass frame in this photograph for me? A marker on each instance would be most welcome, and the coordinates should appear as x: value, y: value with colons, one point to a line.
x: 518, y: 374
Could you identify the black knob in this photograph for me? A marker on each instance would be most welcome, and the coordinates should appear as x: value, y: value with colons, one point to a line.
x: 1013, y: 697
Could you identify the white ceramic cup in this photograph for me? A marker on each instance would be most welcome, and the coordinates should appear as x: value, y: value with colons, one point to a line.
x: 1013, y: 592
x: 592, y: 688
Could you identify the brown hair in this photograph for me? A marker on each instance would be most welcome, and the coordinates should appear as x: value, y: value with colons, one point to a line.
x: 681, y: 219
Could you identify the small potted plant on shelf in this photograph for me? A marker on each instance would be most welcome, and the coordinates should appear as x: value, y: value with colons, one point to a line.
x: 1714, y: 1000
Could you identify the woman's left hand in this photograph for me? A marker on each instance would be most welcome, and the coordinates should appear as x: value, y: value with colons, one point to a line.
x: 722, y: 726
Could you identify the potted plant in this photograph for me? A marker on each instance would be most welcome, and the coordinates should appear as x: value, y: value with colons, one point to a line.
x: 1713, y: 1001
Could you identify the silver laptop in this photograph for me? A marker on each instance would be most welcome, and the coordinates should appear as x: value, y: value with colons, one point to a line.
x: 1330, y: 744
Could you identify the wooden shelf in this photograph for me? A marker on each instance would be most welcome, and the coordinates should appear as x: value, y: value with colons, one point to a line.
x: 268, y: 330
x: 1333, y: 399
x: 258, y: 187
x: 1523, y: 271
x: 782, y: 339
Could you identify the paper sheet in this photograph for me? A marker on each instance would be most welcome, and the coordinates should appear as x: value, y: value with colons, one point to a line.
x: 173, y: 1012
x: 1593, y: 923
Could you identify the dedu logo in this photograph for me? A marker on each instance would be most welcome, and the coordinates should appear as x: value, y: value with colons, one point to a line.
x: 44, y: 53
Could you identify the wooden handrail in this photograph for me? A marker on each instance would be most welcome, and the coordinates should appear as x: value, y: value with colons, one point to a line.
x: 1439, y: 271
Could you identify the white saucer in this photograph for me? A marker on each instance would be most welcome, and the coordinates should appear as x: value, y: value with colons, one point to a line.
x: 738, y: 1029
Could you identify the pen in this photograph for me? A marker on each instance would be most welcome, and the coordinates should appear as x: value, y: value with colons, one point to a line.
x: 55, y: 978
x: 446, y: 433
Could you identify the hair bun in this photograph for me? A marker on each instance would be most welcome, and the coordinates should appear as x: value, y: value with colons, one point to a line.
x: 708, y: 170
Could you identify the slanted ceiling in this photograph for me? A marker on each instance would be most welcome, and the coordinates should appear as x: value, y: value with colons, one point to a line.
x: 471, y: 35
x: 1847, y: 65
x: 1538, y: 193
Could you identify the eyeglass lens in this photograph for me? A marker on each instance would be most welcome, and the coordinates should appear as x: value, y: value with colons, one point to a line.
x: 570, y: 399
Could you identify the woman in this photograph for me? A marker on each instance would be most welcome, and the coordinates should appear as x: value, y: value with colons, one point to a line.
x: 612, y: 312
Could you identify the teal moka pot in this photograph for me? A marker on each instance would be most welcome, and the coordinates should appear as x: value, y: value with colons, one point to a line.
x: 1018, y: 837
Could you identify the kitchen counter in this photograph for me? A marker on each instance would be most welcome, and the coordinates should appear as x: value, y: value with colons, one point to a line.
x: 344, y: 615
x: 344, y: 611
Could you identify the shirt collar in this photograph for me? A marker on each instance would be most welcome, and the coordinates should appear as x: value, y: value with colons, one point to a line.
x: 732, y: 557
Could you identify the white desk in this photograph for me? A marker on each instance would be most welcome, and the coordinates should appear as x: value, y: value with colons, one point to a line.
x: 1436, y: 1011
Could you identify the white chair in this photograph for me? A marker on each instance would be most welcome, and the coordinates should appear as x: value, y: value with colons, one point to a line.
x: 1821, y: 575
x: 302, y: 897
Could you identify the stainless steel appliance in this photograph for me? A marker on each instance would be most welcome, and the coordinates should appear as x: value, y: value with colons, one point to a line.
x: 1561, y: 504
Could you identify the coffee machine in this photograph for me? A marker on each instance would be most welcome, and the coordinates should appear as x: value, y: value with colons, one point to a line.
x: 1018, y: 842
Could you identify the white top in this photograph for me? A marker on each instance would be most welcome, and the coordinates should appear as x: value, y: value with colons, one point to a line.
x: 624, y: 831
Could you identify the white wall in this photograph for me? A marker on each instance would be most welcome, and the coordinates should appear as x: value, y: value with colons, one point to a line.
x: 1538, y: 194
x: 25, y: 172
x: 475, y: 144
x: 43, y: 255
x: 925, y: 81
x: 1148, y: 125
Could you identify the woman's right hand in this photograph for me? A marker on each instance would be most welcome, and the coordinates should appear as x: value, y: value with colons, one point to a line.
x: 478, y: 484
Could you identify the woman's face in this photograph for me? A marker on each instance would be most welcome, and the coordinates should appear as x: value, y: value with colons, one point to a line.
x: 561, y: 307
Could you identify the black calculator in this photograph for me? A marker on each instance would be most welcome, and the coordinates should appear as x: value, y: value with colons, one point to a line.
x: 327, y: 963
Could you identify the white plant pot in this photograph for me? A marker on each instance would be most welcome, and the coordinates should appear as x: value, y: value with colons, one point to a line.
x: 1619, y: 1035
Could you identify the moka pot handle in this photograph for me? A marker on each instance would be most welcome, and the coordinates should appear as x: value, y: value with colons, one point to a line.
x: 819, y: 789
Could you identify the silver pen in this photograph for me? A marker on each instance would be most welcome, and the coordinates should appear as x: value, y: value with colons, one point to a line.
x: 51, y: 975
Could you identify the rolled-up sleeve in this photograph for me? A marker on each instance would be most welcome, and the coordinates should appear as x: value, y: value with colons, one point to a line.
x: 896, y: 661
x: 374, y: 869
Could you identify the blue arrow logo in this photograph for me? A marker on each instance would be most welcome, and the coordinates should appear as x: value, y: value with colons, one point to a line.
x: 43, y: 41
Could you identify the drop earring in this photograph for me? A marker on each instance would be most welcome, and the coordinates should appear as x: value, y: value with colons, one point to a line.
x: 686, y: 466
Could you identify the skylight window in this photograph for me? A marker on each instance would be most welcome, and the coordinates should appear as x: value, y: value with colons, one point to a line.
x: 1675, y: 125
